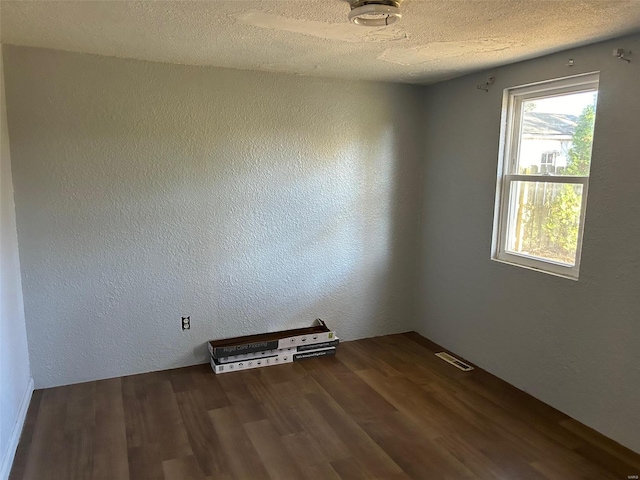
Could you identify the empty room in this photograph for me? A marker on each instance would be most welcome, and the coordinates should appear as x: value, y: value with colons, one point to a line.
x: 320, y: 239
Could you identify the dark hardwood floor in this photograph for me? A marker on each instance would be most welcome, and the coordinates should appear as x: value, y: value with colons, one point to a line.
x: 383, y: 408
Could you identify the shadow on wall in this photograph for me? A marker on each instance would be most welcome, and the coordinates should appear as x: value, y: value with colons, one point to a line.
x: 250, y: 201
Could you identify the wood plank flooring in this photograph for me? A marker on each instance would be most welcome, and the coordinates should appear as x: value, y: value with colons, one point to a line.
x: 383, y: 408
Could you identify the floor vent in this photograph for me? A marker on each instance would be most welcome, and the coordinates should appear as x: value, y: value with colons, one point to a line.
x: 454, y: 361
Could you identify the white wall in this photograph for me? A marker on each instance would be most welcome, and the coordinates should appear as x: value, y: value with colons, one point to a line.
x: 250, y: 201
x: 15, y: 379
x: 574, y: 345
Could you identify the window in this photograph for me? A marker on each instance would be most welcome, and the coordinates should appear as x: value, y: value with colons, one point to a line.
x: 548, y: 162
x: 544, y: 174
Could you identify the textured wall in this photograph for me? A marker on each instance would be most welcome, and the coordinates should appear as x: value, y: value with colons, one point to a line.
x: 14, y: 356
x: 251, y: 201
x: 574, y: 345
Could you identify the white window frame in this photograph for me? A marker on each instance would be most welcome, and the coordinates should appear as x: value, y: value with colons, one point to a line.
x: 507, y: 171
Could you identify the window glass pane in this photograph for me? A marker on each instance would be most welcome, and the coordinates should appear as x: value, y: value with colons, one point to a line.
x: 544, y: 220
x: 556, y: 135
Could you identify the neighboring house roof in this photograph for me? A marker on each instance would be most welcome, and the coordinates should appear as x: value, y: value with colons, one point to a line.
x: 536, y: 123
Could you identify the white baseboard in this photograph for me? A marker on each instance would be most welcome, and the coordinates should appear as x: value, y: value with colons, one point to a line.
x: 10, y: 453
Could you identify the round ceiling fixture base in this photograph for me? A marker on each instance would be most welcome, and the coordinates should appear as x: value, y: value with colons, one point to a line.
x: 375, y: 14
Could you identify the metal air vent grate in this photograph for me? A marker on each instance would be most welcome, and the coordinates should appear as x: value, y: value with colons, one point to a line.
x: 454, y: 361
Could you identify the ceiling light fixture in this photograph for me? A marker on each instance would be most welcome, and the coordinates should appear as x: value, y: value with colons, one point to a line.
x: 375, y: 13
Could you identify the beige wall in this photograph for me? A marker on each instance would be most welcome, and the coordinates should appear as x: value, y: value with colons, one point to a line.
x: 15, y: 377
x: 250, y: 201
x: 574, y: 345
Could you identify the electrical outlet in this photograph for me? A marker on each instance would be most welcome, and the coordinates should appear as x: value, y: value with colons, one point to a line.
x: 186, y: 323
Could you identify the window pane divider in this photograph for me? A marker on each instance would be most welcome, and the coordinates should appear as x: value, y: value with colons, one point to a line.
x: 546, y: 179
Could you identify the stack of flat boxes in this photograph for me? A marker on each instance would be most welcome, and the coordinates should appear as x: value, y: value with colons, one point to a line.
x: 268, y: 349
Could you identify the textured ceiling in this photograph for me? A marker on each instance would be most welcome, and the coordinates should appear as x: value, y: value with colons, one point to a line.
x: 436, y: 39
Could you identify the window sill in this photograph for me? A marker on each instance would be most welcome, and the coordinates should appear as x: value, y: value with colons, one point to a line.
x: 515, y: 264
